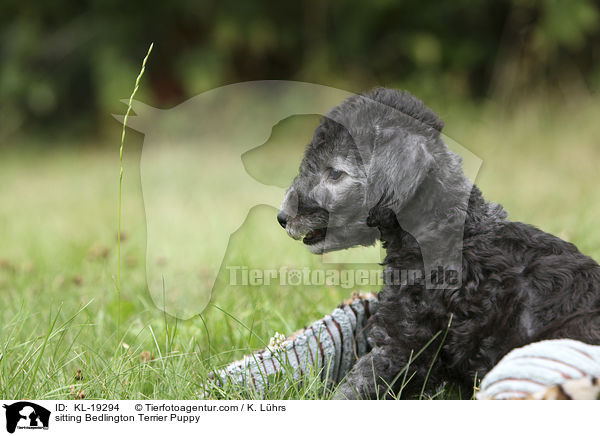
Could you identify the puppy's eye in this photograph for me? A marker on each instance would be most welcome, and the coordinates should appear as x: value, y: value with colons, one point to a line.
x: 335, y: 174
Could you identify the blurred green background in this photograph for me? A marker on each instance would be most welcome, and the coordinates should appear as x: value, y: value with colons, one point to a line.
x: 516, y: 82
x: 65, y: 65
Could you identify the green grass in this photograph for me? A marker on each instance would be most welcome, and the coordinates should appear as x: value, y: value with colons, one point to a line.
x: 58, y: 257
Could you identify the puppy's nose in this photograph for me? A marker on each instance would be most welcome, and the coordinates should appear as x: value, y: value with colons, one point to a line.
x: 282, y: 218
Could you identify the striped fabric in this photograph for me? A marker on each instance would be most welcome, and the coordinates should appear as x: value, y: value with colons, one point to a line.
x: 553, y: 369
x: 541, y: 369
x: 329, y: 346
x: 587, y: 388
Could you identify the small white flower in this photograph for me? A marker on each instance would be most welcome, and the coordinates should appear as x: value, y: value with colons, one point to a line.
x: 277, y: 340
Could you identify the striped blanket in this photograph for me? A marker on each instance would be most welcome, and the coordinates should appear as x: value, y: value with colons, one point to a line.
x: 329, y: 346
x: 552, y: 369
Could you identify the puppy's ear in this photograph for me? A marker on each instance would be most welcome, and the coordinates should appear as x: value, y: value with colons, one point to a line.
x: 399, y: 163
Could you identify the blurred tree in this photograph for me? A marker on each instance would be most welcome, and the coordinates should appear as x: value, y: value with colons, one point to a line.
x: 547, y: 43
x: 68, y: 64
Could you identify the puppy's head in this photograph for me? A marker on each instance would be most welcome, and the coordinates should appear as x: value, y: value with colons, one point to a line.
x: 369, y: 154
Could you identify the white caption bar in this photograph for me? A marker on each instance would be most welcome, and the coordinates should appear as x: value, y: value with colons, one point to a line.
x: 298, y: 417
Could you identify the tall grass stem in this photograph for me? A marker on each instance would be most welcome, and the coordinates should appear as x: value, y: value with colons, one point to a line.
x: 120, y: 213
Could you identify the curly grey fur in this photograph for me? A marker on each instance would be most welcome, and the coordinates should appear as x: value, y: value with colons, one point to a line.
x: 377, y: 168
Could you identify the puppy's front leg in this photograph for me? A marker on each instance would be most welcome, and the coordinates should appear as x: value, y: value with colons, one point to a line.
x: 380, y: 373
x: 370, y: 376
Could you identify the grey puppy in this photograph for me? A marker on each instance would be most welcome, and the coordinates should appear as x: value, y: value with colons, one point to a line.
x: 377, y: 168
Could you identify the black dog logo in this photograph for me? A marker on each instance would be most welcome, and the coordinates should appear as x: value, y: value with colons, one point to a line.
x: 33, y: 416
